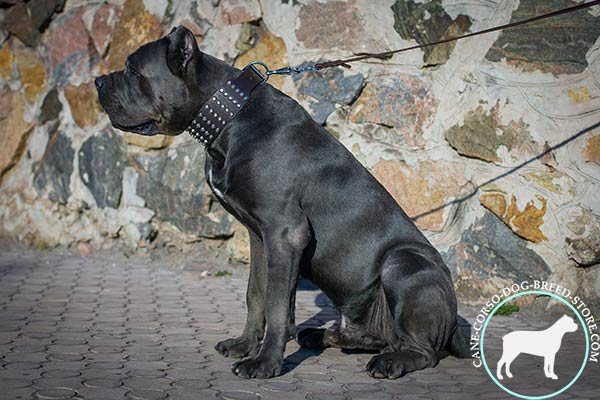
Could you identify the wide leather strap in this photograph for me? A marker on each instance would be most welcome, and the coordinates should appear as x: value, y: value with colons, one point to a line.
x: 223, y: 105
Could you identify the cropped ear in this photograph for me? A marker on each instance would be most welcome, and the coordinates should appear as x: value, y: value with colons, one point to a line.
x: 182, y: 49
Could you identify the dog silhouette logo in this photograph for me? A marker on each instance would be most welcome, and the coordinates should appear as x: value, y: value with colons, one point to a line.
x: 544, y: 343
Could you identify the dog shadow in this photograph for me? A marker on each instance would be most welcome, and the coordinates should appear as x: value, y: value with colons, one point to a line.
x: 325, y: 315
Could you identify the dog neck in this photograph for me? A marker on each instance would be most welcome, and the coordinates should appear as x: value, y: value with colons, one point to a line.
x: 227, y: 100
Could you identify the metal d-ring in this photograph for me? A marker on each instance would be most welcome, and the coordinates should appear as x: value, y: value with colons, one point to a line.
x: 262, y: 64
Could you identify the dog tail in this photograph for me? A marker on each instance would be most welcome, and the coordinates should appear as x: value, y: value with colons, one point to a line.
x: 458, y: 345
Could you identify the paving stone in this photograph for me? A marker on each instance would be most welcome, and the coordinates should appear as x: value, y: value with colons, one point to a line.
x: 55, y: 394
x: 107, y: 383
x: 239, y: 395
x: 146, y: 395
x: 15, y: 383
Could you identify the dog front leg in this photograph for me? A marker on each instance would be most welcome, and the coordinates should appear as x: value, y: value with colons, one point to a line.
x: 249, y: 342
x: 284, y: 247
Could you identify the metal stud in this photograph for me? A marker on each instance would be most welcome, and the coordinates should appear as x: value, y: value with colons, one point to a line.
x: 238, y: 106
x: 217, y: 130
x: 221, y: 90
x: 213, y: 126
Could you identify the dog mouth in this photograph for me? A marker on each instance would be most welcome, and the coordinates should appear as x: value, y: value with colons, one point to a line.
x: 145, y: 128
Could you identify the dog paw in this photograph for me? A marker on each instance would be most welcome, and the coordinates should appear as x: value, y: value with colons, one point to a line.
x: 509, y: 374
x: 260, y: 367
x: 237, y: 347
x: 553, y: 377
x: 311, y: 338
x: 385, y: 366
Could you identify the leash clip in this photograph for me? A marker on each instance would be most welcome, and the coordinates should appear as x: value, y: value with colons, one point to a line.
x: 280, y: 71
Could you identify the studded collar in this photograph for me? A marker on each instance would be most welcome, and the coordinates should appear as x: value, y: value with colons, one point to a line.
x: 223, y: 105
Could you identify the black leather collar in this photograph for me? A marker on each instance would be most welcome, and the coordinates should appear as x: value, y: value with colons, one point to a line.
x: 223, y: 105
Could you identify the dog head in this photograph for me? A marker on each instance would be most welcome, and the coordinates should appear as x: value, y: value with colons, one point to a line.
x: 156, y: 90
x: 568, y: 324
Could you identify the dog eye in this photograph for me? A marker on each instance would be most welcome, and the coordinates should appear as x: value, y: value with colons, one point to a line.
x: 132, y: 71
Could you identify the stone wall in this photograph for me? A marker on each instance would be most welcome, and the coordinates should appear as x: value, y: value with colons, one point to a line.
x: 434, y: 126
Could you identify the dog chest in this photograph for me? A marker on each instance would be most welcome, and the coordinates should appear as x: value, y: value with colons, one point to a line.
x: 211, y: 183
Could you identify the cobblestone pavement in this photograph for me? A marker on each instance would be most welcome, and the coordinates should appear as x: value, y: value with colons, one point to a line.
x: 91, y: 328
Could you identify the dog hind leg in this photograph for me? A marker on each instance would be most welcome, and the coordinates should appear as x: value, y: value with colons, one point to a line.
x: 421, y: 300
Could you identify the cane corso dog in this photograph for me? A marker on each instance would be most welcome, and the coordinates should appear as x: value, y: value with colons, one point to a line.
x: 311, y: 210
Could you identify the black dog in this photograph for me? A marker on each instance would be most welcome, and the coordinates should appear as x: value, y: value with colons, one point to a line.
x: 311, y: 209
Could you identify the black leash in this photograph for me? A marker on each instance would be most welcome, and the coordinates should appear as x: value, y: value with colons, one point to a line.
x: 388, y: 54
x: 227, y: 101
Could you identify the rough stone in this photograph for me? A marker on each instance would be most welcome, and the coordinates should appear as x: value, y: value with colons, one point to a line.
x: 556, y: 45
x: 172, y: 183
x: 135, y: 26
x: 552, y: 180
x: 103, y: 23
x: 269, y: 49
x: 239, y: 244
x: 27, y: 20
x: 483, y: 133
x: 583, y: 246
x: 14, y: 132
x: 328, y: 88
x: 421, y: 188
x: 7, y: 60
x: 84, y: 249
x: 526, y: 223
x: 334, y: 24
x: 235, y: 12
x: 148, y: 142
x: 31, y: 72
x: 130, y: 197
x: 18, y: 22
x: 579, y: 95
x: 102, y: 160
x: 137, y: 215
x: 70, y: 48
x: 488, y: 256
x: 428, y: 22
x: 51, y: 107
x: 403, y: 102
x: 52, y: 174
x: 83, y: 102
x: 592, y: 149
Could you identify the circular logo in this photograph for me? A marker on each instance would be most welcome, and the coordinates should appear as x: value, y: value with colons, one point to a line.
x: 535, y: 342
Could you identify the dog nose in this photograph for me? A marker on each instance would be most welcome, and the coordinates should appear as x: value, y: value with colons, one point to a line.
x: 99, y: 82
